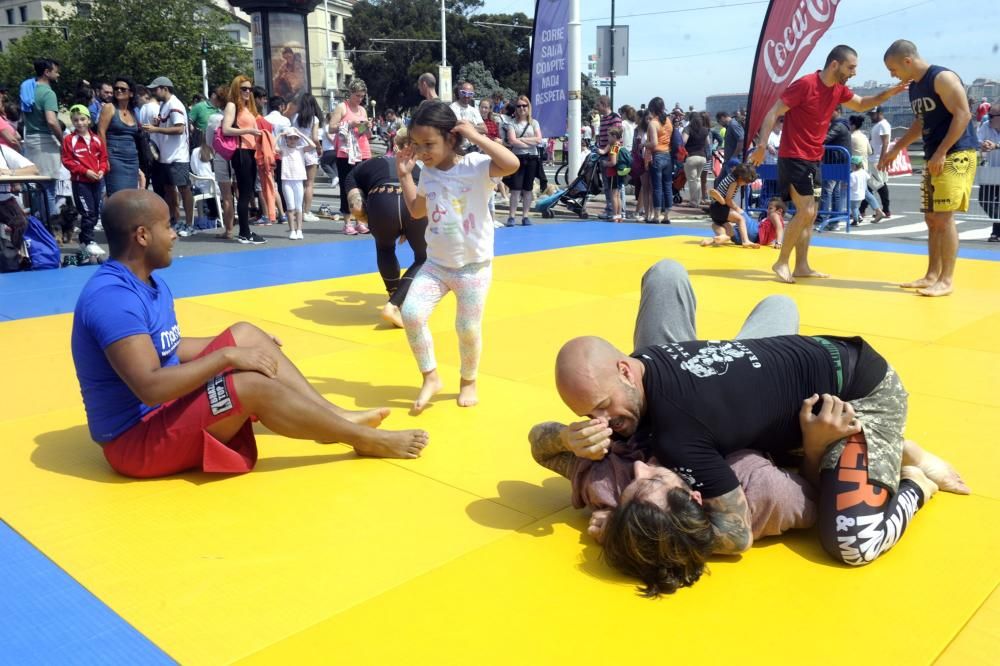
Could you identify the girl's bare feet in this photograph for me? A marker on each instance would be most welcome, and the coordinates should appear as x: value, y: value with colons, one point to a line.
x: 390, y: 313
x: 394, y: 444
x: 936, y: 289
x: 467, y: 393
x: 432, y: 384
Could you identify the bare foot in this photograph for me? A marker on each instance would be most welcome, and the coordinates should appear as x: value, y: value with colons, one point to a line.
x: 936, y: 469
x: 432, y: 384
x: 783, y: 273
x: 390, y: 313
x: 915, y: 474
x: 936, y: 289
x: 809, y: 273
x: 467, y: 393
x: 368, y: 417
x: 394, y: 444
x: 751, y: 246
x: 922, y: 283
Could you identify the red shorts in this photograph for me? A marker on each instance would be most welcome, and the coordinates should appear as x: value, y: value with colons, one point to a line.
x: 173, y: 438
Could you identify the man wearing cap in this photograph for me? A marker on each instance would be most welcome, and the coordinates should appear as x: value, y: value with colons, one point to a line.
x: 169, y: 131
x: 42, y: 134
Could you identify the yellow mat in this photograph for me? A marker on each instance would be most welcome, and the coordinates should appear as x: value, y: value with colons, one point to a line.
x: 472, y: 554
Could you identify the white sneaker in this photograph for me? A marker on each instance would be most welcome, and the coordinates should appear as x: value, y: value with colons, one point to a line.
x: 310, y: 217
x: 298, y: 235
x: 292, y: 235
x: 98, y: 226
x: 94, y: 250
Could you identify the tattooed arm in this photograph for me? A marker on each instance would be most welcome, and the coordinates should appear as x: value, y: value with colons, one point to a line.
x: 731, y: 524
x: 548, y: 448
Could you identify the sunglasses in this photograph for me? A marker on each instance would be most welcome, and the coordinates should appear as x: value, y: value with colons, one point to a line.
x: 466, y: 93
x: 521, y: 106
x: 248, y: 89
x: 121, y: 89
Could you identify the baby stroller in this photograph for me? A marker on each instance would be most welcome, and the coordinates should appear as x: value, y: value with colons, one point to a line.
x: 575, y: 196
x: 679, y: 181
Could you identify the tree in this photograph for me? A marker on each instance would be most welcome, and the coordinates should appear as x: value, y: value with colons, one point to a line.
x: 480, y: 77
x: 131, y: 38
x: 391, y: 76
x: 588, y: 97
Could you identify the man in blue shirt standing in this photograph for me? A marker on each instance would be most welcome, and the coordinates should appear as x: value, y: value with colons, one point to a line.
x: 160, y: 403
x: 943, y: 119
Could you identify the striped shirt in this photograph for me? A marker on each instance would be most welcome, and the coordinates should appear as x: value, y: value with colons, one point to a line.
x: 607, y: 122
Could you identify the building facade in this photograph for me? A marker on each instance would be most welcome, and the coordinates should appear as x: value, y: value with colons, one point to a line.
x: 330, y: 69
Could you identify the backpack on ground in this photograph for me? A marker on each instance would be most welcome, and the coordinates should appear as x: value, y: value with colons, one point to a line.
x: 42, y: 247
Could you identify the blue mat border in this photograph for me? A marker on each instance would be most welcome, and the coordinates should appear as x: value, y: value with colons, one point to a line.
x: 37, y: 294
x: 49, y: 618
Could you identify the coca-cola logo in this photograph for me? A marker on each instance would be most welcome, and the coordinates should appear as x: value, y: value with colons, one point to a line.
x: 783, y: 56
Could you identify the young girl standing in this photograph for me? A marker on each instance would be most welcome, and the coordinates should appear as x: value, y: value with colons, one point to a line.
x: 453, y: 195
x: 292, y: 145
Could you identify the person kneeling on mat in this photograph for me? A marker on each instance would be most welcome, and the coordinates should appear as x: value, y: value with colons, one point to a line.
x: 160, y: 403
x: 726, y: 213
x: 374, y: 194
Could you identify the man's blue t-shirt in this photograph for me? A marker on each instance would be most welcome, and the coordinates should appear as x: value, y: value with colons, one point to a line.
x: 115, y: 304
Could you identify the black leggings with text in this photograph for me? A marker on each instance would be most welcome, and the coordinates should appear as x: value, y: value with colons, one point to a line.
x: 858, y: 521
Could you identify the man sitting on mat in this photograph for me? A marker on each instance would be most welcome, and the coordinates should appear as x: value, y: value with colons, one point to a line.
x: 159, y: 403
x: 701, y: 400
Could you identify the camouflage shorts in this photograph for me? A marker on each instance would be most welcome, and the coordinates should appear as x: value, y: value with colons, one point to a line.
x: 882, y: 414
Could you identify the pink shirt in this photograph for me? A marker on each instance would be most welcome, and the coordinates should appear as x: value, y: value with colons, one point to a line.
x: 352, y: 117
x: 4, y: 125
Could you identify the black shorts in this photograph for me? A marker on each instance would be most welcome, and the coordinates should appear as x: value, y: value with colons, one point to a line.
x: 175, y: 173
x: 718, y: 213
x: 803, y: 175
x: 523, y: 180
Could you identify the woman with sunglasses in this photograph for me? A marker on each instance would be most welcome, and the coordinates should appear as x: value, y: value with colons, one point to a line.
x: 240, y: 119
x: 353, y: 132
x: 118, y: 128
x: 524, y: 136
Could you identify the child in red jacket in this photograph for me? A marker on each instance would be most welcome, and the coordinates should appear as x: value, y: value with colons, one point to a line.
x: 86, y: 158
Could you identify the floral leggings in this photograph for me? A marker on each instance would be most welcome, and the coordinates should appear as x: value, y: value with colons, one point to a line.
x: 470, y: 283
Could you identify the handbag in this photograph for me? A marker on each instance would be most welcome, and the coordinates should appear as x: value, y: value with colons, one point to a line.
x: 224, y: 146
x: 148, y: 153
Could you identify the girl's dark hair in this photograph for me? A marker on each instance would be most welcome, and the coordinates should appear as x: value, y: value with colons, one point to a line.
x: 856, y: 121
x: 658, y: 109
x: 643, y: 123
x: 12, y: 111
x: 744, y: 172
x: 628, y: 113
x: 665, y: 549
x: 694, y: 124
x: 308, y: 109
x: 436, y: 115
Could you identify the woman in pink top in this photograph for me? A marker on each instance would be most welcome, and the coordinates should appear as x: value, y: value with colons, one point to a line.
x: 353, y: 132
x: 8, y: 135
x: 240, y: 119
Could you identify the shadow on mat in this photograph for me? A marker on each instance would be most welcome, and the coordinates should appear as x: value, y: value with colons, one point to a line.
x: 346, y: 308
x: 71, y: 452
x: 768, y: 276
x: 553, y: 492
x: 369, y: 396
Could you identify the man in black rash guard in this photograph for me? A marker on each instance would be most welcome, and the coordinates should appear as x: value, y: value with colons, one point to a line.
x: 373, y: 192
x: 701, y: 400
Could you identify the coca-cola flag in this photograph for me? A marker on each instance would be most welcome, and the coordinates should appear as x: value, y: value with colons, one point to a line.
x: 790, y: 32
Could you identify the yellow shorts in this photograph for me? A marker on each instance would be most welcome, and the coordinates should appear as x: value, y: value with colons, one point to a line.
x: 952, y: 190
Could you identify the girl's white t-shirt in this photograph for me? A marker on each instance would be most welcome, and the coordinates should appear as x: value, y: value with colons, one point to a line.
x: 459, y: 226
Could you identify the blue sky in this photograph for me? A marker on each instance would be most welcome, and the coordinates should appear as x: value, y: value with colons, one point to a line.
x: 686, y: 55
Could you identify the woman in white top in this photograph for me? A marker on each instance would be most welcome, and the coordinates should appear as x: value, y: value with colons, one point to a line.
x: 523, y: 136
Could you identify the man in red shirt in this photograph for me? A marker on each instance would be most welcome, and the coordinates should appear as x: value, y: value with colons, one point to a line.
x: 983, y: 110
x: 807, y: 106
